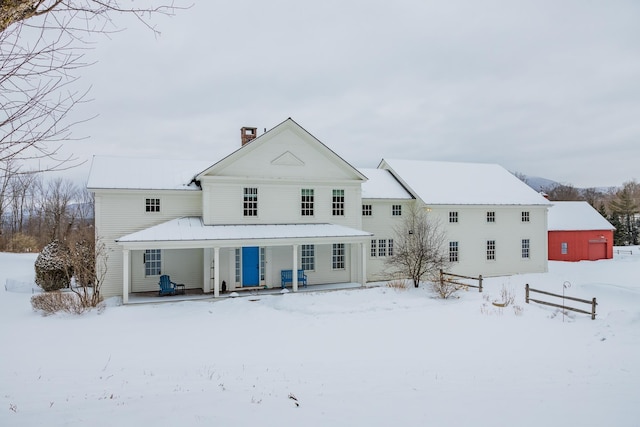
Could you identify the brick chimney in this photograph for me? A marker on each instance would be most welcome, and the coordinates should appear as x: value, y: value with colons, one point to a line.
x: 248, y: 134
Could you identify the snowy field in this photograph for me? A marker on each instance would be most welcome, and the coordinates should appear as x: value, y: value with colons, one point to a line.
x: 364, y: 357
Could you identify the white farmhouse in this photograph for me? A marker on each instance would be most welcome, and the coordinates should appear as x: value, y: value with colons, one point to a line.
x: 285, y: 201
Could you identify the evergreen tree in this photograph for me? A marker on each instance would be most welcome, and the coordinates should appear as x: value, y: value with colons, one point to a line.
x: 625, y: 208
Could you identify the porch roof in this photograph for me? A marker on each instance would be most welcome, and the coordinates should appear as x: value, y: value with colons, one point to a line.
x: 191, y: 232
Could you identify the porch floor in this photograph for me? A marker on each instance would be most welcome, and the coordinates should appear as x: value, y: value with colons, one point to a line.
x: 198, y: 295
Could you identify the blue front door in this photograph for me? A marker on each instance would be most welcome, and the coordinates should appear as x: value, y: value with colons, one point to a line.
x: 250, y: 266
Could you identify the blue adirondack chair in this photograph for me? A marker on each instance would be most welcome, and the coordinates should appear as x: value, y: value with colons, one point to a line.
x: 167, y: 287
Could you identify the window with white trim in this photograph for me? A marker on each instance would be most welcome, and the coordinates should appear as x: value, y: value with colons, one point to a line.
x: 152, y: 205
x: 453, y: 216
x: 337, y: 203
x: 374, y: 248
x: 564, y: 248
x: 491, y: 249
x: 382, y: 248
x: 237, y: 265
x: 367, y: 210
x: 152, y: 262
x: 525, y: 248
x: 453, y: 252
x: 396, y: 210
x: 525, y: 216
x: 250, y: 201
x: 306, y: 202
x: 491, y: 216
x: 337, y: 259
x: 308, y: 257
x: 390, y: 248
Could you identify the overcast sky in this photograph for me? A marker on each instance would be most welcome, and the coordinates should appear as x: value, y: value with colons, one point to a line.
x: 545, y: 88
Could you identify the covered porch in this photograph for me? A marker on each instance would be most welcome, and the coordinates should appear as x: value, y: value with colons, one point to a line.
x: 244, y: 257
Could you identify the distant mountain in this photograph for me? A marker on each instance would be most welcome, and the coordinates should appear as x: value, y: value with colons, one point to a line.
x: 539, y: 183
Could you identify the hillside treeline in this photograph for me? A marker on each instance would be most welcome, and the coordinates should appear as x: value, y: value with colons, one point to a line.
x: 619, y: 205
x: 35, y: 211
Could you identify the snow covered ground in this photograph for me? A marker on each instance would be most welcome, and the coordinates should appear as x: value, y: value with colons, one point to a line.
x: 370, y: 357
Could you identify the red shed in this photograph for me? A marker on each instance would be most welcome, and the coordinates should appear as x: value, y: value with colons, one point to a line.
x: 578, y: 232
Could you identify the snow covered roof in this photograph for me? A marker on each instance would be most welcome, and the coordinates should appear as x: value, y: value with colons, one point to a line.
x: 452, y: 183
x: 382, y: 185
x: 575, y: 216
x: 189, y: 229
x: 111, y: 172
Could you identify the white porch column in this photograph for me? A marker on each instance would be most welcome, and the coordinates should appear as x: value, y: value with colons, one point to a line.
x: 294, y: 278
x: 364, y: 263
x: 216, y: 272
x: 125, y: 275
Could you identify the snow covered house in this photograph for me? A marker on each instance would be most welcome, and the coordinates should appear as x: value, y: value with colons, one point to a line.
x: 495, y: 224
x: 285, y: 201
x: 578, y: 232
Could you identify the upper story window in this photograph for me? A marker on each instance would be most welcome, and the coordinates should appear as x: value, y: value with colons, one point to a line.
x: 337, y: 206
x: 306, y: 202
x: 152, y: 262
x: 152, y: 205
x: 396, y: 210
x: 250, y: 201
x: 525, y: 216
x: 525, y: 248
x: 367, y: 210
x: 564, y: 248
x: 453, y: 216
x: 491, y: 216
x: 491, y: 249
x: 453, y: 251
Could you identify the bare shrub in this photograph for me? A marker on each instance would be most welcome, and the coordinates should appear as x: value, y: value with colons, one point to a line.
x: 398, y: 284
x: 22, y: 243
x: 507, y: 296
x: 56, y: 301
x: 445, y: 289
x: 517, y: 310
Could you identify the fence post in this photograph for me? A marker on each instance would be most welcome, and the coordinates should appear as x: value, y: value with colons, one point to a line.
x: 526, y: 293
x: 593, y: 309
x: 480, y: 283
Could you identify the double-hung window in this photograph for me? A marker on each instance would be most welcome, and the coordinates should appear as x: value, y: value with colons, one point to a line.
x: 453, y: 251
x: 491, y: 249
x: 152, y: 262
x: 337, y: 205
x: 306, y: 202
x: 308, y: 258
x: 382, y: 248
x: 453, y: 216
x: 250, y: 201
x: 525, y: 248
x: 396, y: 210
x: 491, y: 216
x: 525, y: 216
x: 152, y: 205
x: 564, y: 248
x: 367, y: 210
x: 374, y: 248
x: 337, y: 261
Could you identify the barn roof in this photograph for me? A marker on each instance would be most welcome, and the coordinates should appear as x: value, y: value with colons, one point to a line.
x: 576, y: 216
x: 382, y: 185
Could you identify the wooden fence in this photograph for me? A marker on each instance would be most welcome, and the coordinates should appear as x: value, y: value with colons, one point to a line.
x: 624, y: 251
x: 445, y: 278
x: 563, y: 306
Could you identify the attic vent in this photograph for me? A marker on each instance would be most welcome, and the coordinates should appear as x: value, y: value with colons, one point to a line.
x: 248, y: 134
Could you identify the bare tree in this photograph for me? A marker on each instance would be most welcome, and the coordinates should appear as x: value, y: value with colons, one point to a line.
x: 59, y: 217
x: 419, y: 247
x: 563, y: 192
x: 42, y: 45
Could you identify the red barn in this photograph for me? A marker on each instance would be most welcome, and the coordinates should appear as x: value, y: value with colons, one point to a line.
x: 578, y: 232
